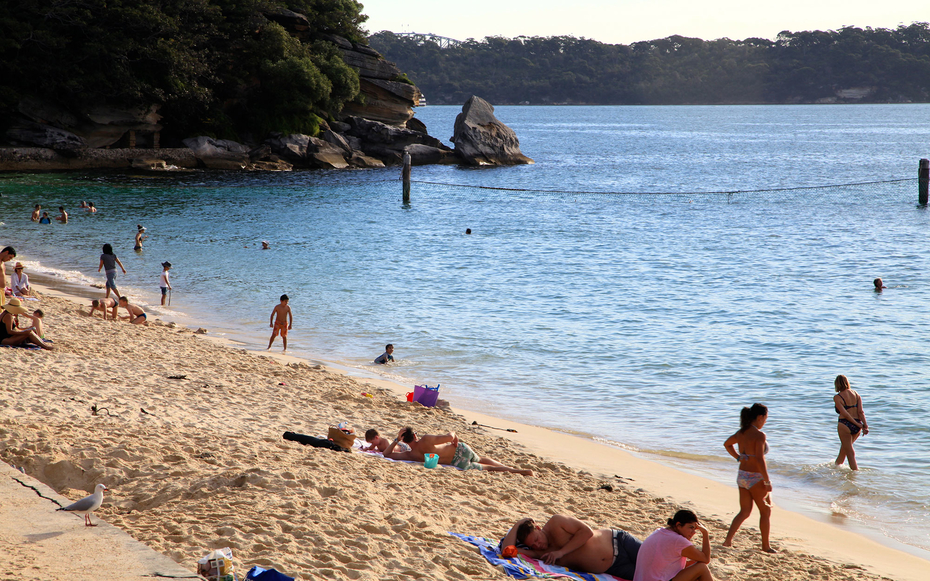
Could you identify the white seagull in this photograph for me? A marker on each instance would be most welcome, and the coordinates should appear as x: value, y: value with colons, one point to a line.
x: 87, y: 505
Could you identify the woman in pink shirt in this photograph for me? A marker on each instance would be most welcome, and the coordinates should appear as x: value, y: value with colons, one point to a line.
x: 668, y: 554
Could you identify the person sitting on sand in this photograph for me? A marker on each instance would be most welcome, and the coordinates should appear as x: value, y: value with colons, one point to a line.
x: 45, y: 219
x: 36, y: 317
x: 10, y: 334
x: 36, y: 212
x: 102, y: 305
x: 568, y: 542
x: 63, y: 217
x: 668, y: 554
x: 136, y: 314
x: 387, y: 356
x: 450, y: 452
x: 283, y: 322
x: 19, y: 282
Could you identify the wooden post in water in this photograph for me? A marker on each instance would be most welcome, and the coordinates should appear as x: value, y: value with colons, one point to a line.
x: 405, y: 175
x: 923, y: 180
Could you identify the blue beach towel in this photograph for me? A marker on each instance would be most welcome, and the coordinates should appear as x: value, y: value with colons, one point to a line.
x: 521, y: 567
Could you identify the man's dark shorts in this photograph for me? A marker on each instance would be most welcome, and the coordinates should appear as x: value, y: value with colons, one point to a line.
x: 626, y: 547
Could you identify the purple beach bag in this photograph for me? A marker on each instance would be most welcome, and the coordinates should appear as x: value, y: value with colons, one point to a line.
x: 426, y: 395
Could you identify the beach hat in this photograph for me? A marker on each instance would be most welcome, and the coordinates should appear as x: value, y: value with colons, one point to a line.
x: 166, y: 264
x: 18, y: 266
x: 141, y: 227
x: 15, y: 306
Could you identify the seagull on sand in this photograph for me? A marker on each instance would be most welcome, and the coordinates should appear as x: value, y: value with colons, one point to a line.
x: 87, y: 505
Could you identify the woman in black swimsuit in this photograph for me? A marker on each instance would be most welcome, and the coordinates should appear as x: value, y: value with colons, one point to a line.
x: 851, y: 424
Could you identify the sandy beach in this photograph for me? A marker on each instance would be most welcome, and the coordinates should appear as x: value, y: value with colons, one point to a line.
x: 198, y: 462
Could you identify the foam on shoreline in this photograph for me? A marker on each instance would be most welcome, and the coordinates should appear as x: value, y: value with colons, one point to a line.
x: 792, y: 531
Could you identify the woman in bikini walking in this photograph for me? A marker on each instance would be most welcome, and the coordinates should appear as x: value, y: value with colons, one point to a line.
x: 851, y: 424
x: 753, y: 477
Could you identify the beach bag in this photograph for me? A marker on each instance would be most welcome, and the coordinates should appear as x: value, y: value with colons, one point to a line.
x: 342, y: 437
x: 426, y: 395
x: 257, y: 573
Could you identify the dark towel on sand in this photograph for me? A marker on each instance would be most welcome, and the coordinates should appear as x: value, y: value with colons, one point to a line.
x: 315, y: 442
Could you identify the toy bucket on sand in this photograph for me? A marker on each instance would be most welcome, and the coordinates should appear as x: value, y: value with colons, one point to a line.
x: 430, y: 460
x: 426, y: 395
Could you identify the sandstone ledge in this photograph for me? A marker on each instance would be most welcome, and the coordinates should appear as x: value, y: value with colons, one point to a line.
x: 41, y: 159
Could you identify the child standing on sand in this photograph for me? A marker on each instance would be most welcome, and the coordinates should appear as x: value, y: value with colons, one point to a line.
x: 165, y: 283
x: 283, y: 322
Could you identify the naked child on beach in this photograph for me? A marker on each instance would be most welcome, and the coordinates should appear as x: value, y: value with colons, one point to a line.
x: 281, y: 320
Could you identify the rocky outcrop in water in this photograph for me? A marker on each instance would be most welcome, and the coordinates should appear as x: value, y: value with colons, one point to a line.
x: 481, y: 139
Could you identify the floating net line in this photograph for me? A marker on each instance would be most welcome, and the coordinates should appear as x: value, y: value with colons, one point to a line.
x: 903, y: 187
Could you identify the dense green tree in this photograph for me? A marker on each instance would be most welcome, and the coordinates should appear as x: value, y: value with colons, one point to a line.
x: 214, y: 66
x: 890, y: 65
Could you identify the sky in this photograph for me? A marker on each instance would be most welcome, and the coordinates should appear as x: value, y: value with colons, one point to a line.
x: 627, y: 21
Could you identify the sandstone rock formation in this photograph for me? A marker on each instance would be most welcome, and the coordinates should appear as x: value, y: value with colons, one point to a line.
x: 218, y: 153
x: 481, y: 139
x: 34, y: 134
x: 100, y: 126
x: 388, y: 142
x: 386, y: 95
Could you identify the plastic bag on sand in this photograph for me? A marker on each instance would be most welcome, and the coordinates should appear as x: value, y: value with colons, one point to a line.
x: 256, y: 573
x: 217, y: 565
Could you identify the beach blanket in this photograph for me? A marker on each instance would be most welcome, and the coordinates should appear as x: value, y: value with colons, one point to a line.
x: 521, y: 567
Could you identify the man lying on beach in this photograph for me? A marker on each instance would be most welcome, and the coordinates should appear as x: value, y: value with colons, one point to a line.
x: 568, y: 542
x: 136, y: 314
x: 449, y: 450
x: 102, y: 305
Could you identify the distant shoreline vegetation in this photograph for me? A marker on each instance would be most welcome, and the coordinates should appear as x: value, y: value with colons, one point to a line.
x: 849, y: 65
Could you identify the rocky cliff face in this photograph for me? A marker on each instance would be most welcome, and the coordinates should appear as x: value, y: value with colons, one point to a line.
x: 384, y: 98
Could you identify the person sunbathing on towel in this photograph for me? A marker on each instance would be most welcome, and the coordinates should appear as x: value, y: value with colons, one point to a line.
x: 568, y: 542
x: 449, y: 450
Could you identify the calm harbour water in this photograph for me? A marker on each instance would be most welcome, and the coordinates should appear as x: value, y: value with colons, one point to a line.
x: 643, y: 320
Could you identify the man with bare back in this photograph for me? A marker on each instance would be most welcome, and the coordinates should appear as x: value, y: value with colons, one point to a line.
x: 568, y: 542
x: 449, y: 450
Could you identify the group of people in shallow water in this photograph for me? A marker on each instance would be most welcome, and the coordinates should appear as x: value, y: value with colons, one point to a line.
x: 668, y: 554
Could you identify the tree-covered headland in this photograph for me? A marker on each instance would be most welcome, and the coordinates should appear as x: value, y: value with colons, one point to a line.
x: 846, y: 65
x: 226, y: 68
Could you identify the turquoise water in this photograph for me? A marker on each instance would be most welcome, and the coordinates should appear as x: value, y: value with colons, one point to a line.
x: 643, y: 320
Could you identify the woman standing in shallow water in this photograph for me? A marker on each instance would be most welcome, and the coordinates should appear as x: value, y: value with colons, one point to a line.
x: 848, y: 405
x: 753, y: 477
